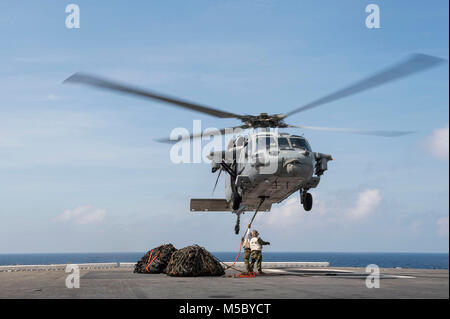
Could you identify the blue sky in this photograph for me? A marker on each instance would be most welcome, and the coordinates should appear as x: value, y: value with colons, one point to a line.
x: 80, y: 170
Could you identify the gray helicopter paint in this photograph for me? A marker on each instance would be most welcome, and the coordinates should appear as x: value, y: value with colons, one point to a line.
x: 270, y: 173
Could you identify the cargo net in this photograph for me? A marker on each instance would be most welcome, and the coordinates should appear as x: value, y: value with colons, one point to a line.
x: 155, y: 260
x: 193, y: 261
x: 190, y: 261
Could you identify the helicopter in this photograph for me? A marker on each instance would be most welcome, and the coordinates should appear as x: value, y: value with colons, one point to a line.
x: 266, y: 167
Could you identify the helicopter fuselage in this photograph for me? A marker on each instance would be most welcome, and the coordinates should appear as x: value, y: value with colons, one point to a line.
x: 271, y: 166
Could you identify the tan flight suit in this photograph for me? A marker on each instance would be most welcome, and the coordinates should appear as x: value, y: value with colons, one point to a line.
x: 256, y: 244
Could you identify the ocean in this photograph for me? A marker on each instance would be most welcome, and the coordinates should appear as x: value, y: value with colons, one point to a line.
x: 384, y: 260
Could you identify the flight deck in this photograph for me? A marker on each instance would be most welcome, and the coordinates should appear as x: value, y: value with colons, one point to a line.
x: 280, y: 281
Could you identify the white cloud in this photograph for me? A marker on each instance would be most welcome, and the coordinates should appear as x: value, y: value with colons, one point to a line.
x: 330, y: 210
x: 368, y: 200
x: 52, y: 97
x: 288, y: 214
x: 82, y: 215
x: 416, y: 226
x: 442, y: 224
x: 438, y: 143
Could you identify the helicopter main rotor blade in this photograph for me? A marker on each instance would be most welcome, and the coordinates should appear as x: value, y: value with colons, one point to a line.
x: 224, y: 131
x: 414, y: 64
x: 355, y: 131
x: 95, y: 81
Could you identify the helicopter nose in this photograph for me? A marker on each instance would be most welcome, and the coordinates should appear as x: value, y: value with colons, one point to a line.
x: 299, y: 167
x: 293, y: 169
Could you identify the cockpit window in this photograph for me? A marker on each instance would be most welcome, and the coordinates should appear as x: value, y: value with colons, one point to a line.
x: 265, y: 142
x: 283, y: 143
x: 298, y: 142
x: 248, y: 148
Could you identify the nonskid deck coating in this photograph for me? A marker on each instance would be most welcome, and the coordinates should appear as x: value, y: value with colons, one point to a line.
x: 279, y: 283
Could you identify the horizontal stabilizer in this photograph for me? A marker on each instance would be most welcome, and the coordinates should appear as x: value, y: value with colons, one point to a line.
x: 210, y: 205
x: 221, y: 205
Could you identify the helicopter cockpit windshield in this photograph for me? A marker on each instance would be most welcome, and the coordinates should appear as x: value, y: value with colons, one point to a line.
x: 283, y: 143
x: 298, y: 142
x: 265, y: 142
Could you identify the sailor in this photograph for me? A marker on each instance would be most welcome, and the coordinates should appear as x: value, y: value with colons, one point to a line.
x: 256, y: 244
x: 246, y: 245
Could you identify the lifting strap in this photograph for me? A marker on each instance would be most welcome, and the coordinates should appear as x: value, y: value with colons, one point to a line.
x: 256, y: 211
x: 249, y: 226
x: 150, y: 260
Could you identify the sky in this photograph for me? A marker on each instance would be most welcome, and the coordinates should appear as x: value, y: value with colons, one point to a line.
x: 80, y: 170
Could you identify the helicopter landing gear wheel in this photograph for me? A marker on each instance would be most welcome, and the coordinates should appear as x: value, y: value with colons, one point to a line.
x: 236, y: 202
x: 307, y: 201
